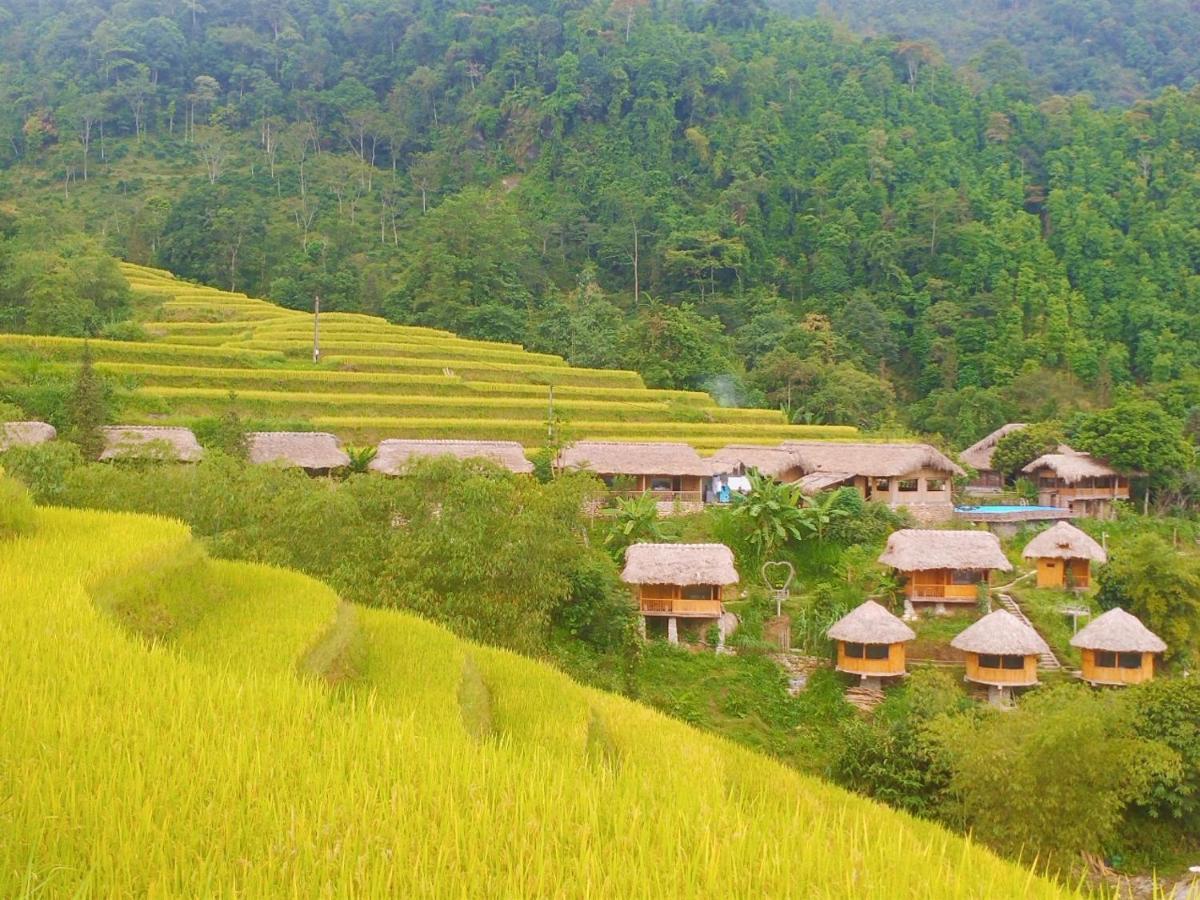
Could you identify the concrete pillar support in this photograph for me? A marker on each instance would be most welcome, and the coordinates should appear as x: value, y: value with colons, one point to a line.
x: 673, y: 630
x: 1000, y: 697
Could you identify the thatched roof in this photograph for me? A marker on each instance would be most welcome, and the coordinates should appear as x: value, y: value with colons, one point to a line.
x: 1002, y: 633
x: 819, y: 481
x: 979, y: 455
x: 305, y: 449
x: 682, y: 564
x: 1071, y: 467
x: 770, y: 461
x: 151, y: 442
x: 631, y: 458
x: 873, y: 460
x: 25, y: 434
x: 393, y: 455
x: 917, y: 549
x: 1062, y: 540
x: 870, y: 623
x: 1119, y: 632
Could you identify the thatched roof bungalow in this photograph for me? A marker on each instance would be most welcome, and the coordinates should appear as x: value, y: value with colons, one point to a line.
x: 1064, y: 555
x: 393, y: 456
x: 680, y: 581
x: 151, y: 442
x: 916, y: 476
x: 979, y: 457
x: 781, y: 463
x: 870, y: 642
x: 1002, y: 652
x: 1077, y: 481
x: 25, y: 434
x: 944, y: 566
x: 1117, y: 649
x: 669, y: 471
x: 314, y: 451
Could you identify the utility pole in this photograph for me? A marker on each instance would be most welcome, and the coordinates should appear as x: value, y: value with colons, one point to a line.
x: 317, y: 328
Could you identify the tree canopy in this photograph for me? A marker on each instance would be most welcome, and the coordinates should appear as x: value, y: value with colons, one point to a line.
x: 710, y: 195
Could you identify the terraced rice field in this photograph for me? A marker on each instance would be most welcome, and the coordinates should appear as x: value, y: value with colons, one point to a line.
x: 210, y: 350
x: 175, y: 726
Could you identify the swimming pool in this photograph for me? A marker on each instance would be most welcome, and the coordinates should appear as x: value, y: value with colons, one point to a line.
x: 1003, y: 510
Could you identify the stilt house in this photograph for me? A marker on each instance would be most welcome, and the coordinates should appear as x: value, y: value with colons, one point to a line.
x: 944, y: 567
x: 870, y: 642
x: 1064, y: 557
x: 1078, y: 482
x: 671, y: 472
x: 978, y: 456
x: 1117, y: 649
x: 680, y: 583
x: 1002, y: 653
x: 917, y: 477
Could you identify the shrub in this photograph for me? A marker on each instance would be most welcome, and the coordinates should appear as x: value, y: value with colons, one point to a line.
x: 43, y: 468
x: 597, y: 609
x: 226, y: 433
x: 16, y: 508
x: 124, y: 331
x: 1054, y: 774
x: 1160, y: 586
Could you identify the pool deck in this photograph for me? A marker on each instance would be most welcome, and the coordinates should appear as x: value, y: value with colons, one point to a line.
x: 985, y: 515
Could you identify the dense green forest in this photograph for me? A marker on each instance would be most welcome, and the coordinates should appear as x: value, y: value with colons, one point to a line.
x: 709, y: 193
x: 1117, y: 50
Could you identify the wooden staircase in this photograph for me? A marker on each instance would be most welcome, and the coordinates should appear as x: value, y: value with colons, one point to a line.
x: 1047, y: 660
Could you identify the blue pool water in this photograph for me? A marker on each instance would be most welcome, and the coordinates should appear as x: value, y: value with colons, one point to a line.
x: 992, y: 510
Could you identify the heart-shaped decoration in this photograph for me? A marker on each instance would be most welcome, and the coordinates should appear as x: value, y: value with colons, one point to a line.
x: 778, y: 574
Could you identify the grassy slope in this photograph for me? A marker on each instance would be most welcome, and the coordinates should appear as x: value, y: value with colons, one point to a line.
x: 377, y: 380
x: 205, y: 762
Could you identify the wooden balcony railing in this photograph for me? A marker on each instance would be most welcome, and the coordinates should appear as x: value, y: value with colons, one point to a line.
x: 668, y: 607
x: 952, y: 593
x: 1093, y: 493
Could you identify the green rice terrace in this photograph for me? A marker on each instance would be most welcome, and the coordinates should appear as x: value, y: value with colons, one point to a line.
x: 210, y: 349
x: 176, y: 725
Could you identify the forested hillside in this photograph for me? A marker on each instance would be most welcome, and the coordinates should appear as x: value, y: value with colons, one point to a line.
x: 1117, y: 50
x: 845, y: 228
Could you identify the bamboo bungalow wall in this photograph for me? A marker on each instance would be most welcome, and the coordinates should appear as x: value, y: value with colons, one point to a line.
x: 892, y: 662
x: 1023, y: 671
x: 1063, y: 573
x: 1106, y: 667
